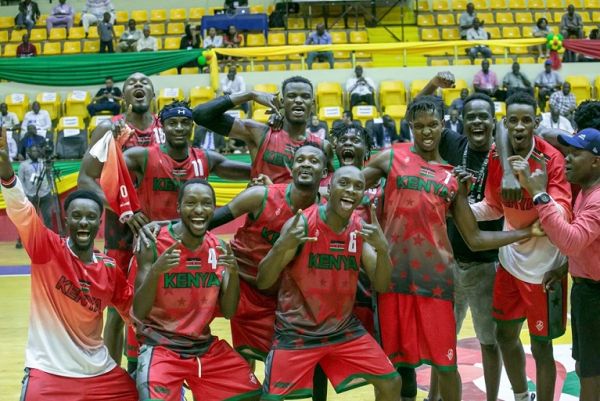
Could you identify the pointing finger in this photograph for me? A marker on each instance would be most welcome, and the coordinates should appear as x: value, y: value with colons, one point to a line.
x: 373, y: 214
x: 173, y: 246
x: 309, y: 239
x: 297, y: 217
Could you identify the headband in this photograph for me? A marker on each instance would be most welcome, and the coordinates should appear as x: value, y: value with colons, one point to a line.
x: 176, y: 112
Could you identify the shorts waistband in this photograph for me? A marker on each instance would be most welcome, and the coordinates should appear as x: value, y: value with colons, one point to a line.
x: 581, y: 280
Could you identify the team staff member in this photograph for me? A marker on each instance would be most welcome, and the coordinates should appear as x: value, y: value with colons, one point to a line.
x: 71, y: 285
x: 579, y: 240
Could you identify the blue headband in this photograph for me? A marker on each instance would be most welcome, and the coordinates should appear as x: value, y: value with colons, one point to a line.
x: 176, y: 112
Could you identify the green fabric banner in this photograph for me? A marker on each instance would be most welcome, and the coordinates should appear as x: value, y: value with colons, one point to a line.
x: 90, y: 69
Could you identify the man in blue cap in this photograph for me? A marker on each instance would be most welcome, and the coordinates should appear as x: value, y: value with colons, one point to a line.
x: 580, y: 241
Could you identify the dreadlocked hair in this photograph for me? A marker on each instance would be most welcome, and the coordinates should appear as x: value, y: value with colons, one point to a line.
x: 425, y: 104
x: 173, y: 105
x: 587, y: 115
x: 341, y: 129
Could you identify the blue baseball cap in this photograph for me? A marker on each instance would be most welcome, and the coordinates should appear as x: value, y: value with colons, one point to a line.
x: 586, y: 139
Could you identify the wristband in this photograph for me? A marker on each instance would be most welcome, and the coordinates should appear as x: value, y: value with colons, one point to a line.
x: 10, y: 182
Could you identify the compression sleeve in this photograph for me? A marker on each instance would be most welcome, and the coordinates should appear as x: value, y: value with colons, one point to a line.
x: 222, y: 216
x: 211, y: 115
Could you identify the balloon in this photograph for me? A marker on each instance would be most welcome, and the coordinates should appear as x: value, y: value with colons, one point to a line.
x: 554, y: 42
x: 206, y: 54
x: 201, y: 61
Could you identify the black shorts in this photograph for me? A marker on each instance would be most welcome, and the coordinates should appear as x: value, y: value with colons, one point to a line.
x: 585, y: 320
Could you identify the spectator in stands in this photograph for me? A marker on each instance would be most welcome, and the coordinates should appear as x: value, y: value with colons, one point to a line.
x: 361, y: 89
x: 190, y: 40
x: 36, y: 187
x: 542, y: 30
x: 553, y: 120
x: 347, y: 119
x: 486, y: 81
x: 93, y: 12
x: 406, y: 134
x: 516, y: 81
x: 8, y: 119
x: 61, y: 15
x: 233, y: 84
x: 38, y: 118
x: 547, y: 82
x: 571, y: 24
x: 382, y: 132
x: 26, y: 48
x: 564, y: 101
x: 319, y: 37
x: 459, y: 103
x: 454, y: 123
x: 31, y: 138
x: 106, y: 31
x: 129, y: 38
x: 208, y: 140
x: 213, y: 40
x: 478, y: 33
x: 232, y: 38
x: 317, y: 127
x: 28, y: 14
x: 147, y: 43
x: 466, y: 20
x: 13, y: 148
x: 107, y: 99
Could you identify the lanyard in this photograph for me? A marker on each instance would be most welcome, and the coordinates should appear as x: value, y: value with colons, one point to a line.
x: 476, y: 192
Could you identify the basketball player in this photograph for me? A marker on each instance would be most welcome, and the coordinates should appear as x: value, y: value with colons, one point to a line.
x: 316, y: 259
x: 420, y: 192
x: 71, y: 285
x: 181, y: 281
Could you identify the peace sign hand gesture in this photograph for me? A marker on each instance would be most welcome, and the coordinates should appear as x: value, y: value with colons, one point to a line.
x: 373, y: 234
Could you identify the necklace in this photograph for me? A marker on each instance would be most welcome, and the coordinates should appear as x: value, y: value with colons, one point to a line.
x: 476, y: 192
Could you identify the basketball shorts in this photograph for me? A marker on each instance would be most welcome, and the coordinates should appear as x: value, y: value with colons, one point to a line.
x: 289, y: 372
x: 252, y: 327
x: 415, y: 330
x: 516, y: 300
x: 110, y: 386
x: 219, y: 374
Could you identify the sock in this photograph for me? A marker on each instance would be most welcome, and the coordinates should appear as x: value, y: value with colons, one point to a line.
x: 522, y: 396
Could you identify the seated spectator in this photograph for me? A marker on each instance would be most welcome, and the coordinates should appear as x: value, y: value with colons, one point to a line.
x: 317, y: 127
x: 232, y: 38
x: 360, y: 88
x: 8, y: 119
x: 61, y: 15
x: 466, y: 20
x: 213, y: 40
x: 542, y: 30
x: 129, y: 38
x: 38, y: 118
x: 564, y: 101
x: 319, y: 37
x: 31, y: 138
x: 29, y: 12
x: 26, y: 48
x: 232, y: 84
x: 459, y: 103
x: 571, y: 24
x: 107, y: 99
x: 347, y: 119
x: 147, y: 43
x: 547, y: 83
x: 454, y: 123
x: 553, y: 120
x: 478, y: 33
x: 106, y: 31
x: 486, y: 81
x: 406, y: 134
x: 208, y: 140
x: 93, y: 12
x: 13, y: 148
x: 516, y: 81
x: 191, y: 40
x: 382, y: 132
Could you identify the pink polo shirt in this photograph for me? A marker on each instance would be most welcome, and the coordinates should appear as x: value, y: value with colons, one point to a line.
x: 486, y: 81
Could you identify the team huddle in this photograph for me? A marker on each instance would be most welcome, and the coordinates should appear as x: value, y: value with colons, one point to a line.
x: 351, y: 275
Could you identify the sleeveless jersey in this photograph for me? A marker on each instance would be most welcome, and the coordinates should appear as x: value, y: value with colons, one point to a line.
x: 187, y: 297
x: 318, y: 288
x: 163, y: 176
x: 417, y: 197
x: 116, y: 234
x: 276, y: 154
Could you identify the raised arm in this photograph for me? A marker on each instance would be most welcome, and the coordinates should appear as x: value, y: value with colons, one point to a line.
x: 91, y: 168
x: 135, y: 158
x: 228, y: 169
x: 377, y: 168
x: 251, y: 200
x: 229, y: 295
x: 375, y: 254
x: 443, y: 79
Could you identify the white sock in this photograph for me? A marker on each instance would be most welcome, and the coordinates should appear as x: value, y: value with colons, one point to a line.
x: 522, y: 396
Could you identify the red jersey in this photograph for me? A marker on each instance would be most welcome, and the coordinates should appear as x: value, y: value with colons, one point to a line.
x: 150, y: 136
x: 163, y: 176
x: 416, y: 200
x: 68, y: 297
x: 187, y: 297
x: 276, y: 154
x: 318, y: 288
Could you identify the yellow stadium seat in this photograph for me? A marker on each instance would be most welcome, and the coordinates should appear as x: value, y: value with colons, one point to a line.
x: 459, y: 5
x: 42, y: 20
x: 397, y: 112
x: 95, y: 121
x: 170, y: 71
x: 494, y: 32
x: 488, y: 18
x: 261, y: 115
x: 51, y: 102
x: 440, y: 5
x: 296, y: 38
x: 511, y: 32
x: 498, y: 4
x: 517, y: 4
x: 295, y: 67
x: 51, y: 49
x: 7, y: 22
x: 597, y: 86
x: 159, y: 15
x: 320, y: 66
x: 119, y: 29
x: 417, y: 86
x: 93, y: 33
x: 446, y: 19
x: 169, y: 95
x: 341, y: 55
x: 440, y: 62
x: 519, y: 50
x: 268, y: 88
x: 257, y: 9
x: 276, y: 39
x: 70, y: 122
x: 189, y: 70
x: 18, y: 103
x: 430, y: 34
x: 58, y: 34
x: 17, y: 36
x: 158, y: 30
x: 462, y: 61
x: 316, y: 21
x: 536, y: 4
x: 355, y: 22
x: 449, y: 94
x: 523, y: 18
x: 527, y: 32
x: 72, y: 47
x: 503, y: 60
x: 340, y: 65
x: 450, y: 34
x: 3, y: 36
x: 122, y: 16
x: 480, y: 4
x: 526, y: 60
x: 276, y: 67
x: 504, y: 18
x: 295, y: 23
x: 590, y: 4
x: 580, y: 86
x: 595, y: 15
x: 423, y: 5
x: 555, y: 4
x: 425, y: 20
x: 177, y: 14
x: 500, y: 109
x: 172, y: 43
x: 391, y: 93
x: 585, y: 17
x: 91, y: 46
x: 364, y: 113
x: 76, y: 33
x: 140, y: 16
x: 359, y: 37
x: 159, y: 43
x: 76, y: 103
x: 330, y: 114
x: 175, y: 28
x: 329, y: 94
x: 338, y: 37
x: 196, y: 13
x: 255, y: 40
